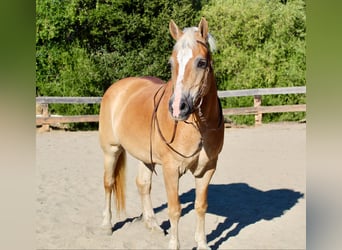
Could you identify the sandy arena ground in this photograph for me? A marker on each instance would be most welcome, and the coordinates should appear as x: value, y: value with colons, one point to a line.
x: 256, y: 197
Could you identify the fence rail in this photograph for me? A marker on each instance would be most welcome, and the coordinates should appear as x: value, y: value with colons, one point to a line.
x: 68, y: 100
x: 46, y: 120
x: 268, y: 91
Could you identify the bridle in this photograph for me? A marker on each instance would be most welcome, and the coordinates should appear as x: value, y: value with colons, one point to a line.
x: 203, y: 83
x: 199, y: 100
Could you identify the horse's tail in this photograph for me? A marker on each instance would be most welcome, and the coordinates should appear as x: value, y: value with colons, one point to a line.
x: 120, y: 182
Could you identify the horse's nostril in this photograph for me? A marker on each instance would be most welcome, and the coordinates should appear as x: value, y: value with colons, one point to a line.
x: 183, y: 106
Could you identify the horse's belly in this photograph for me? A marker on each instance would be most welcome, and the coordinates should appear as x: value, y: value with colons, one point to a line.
x: 137, y: 147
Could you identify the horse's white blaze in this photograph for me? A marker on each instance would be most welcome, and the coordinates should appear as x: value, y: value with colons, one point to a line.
x: 183, y: 56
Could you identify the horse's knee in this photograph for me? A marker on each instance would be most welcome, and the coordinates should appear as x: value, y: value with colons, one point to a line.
x: 201, y: 208
x: 144, y: 186
x: 144, y: 179
x: 174, y: 211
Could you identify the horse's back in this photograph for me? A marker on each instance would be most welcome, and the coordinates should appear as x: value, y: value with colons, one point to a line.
x: 131, y: 84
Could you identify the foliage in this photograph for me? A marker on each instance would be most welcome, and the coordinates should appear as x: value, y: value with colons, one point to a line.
x: 261, y: 44
x: 83, y: 46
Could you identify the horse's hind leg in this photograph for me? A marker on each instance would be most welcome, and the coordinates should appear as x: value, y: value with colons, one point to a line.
x: 111, y: 156
x: 143, y: 182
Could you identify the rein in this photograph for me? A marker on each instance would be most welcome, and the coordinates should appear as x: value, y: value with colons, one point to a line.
x: 155, y: 122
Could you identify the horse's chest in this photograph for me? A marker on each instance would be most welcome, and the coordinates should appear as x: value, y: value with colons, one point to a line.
x: 207, y: 156
x: 196, y: 164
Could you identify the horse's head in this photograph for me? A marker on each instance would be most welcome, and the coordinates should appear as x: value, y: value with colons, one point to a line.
x: 190, y: 63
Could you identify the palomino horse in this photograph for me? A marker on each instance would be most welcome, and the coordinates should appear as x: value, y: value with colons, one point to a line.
x: 178, y: 125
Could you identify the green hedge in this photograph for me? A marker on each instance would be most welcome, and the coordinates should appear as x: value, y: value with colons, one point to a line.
x: 83, y: 46
x: 261, y: 44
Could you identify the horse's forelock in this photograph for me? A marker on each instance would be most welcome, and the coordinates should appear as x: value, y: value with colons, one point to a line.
x: 188, y: 40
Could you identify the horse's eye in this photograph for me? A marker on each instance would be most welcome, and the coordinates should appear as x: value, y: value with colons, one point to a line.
x: 202, y: 64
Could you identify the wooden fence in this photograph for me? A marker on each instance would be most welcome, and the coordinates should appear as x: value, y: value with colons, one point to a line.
x: 45, y: 119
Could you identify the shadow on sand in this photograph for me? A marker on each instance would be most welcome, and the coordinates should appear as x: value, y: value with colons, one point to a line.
x: 239, y: 204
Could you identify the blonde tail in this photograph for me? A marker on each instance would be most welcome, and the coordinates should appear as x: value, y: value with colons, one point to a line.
x: 120, y: 183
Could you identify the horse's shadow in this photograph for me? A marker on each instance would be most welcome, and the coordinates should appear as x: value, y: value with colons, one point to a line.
x: 239, y: 204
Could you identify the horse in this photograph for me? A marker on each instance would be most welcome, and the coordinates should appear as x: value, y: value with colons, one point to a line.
x: 177, y: 125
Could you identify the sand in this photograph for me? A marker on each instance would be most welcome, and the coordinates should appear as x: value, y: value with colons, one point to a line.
x: 256, y: 197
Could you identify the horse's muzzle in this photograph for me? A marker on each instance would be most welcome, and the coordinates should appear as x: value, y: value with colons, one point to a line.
x: 181, y: 109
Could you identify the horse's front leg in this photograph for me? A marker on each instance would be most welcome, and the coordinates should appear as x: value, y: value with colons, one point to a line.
x: 171, y: 179
x: 201, y: 205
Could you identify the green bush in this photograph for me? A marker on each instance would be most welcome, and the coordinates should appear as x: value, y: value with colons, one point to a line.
x: 83, y: 46
x: 261, y: 44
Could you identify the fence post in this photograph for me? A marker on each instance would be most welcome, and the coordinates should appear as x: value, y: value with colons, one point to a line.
x: 258, y: 115
x: 45, y: 113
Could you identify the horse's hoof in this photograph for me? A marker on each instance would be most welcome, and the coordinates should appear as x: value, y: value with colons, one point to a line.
x: 107, y: 230
x: 173, y: 244
x: 157, y: 229
x: 138, y: 219
x: 153, y: 225
x: 203, y: 246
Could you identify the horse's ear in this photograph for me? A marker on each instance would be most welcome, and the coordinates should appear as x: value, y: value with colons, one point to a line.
x: 203, y: 28
x: 174, y: 30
